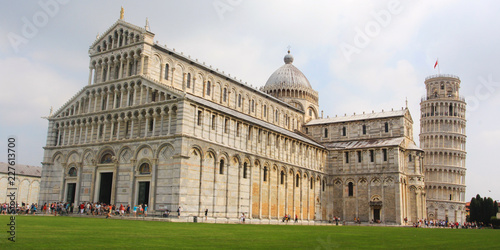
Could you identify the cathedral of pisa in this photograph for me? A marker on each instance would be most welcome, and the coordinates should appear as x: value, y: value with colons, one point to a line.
x: 153, y: 126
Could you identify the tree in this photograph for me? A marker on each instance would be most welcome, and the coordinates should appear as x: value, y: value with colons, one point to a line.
x: 482, y: 209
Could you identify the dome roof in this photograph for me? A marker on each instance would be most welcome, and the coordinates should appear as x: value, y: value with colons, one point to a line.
x: 287, y: 76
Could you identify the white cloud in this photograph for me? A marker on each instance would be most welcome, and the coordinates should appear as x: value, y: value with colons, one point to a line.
x: 29, y: 89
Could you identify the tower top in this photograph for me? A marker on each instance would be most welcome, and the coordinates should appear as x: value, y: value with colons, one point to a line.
x: 442, y: 76
x: 121, y: 13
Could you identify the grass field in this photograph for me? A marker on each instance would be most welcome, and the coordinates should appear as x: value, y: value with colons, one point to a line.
x: 45, y: 232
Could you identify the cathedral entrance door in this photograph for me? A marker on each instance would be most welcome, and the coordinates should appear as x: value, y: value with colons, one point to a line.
x: 143, y: 197
x: 105, y: 187
x: 70, y: 195
x: 376, y: 214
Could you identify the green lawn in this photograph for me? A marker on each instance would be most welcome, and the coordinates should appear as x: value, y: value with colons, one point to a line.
x: 44, y: 232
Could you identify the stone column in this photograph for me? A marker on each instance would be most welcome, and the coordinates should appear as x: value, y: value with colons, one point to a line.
x: 140, y: 96
x: 118, y: 129
x: 80, y: 135
x: 108, y: 73
x: 95, y: 101
x: 102, y: 71
x: 162, y: 114
x: 86, y: 132
x: 92, y: 130
x: 154, y: 124
x: 132, y: 128
x: 108, y: 100
x: 142, y: 64
x: 112, y: 129
x: 127, y: 65
x: 169, y: 122
x: 114, y: 98
x: 58, y: 136
x: 120, y: 69
x: 89, y: 100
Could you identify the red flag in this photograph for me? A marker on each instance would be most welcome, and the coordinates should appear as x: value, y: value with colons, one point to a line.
x: 436, y: 64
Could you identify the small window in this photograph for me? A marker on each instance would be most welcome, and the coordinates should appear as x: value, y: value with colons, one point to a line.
x: 104, y: 102
x: 386, y: 127
x: 238, y: 129
x: 307, y: 130
x: 282, y: 178
x: 167, y: 71
x: 127, y: 126
x: 265, y: 173
x: 209, y: 87
x: 359, y: 156
x: 364, y: 129
x: 451, y: 197
x: 312, y: 183
x: 326, y: 132
x: 221, y: 166
x: 297, y: 180
x: 346, y: 157
x: 101, y: 127
x: 245, y: 170
x: 323, y: 185
x: 372, y: 157
x: 188, y: 81
x: 200, y: 117
x: 351, y: 189
x: 253, y: 106
x: 265, y: 110
x: 344, y: 131
x: 442, y: 86
x: 226, y: 125
x: 151, y: 124
x: 239, y: 100
x: 72, y: 172
x: 214, y: 119
x: 145, y: 168
x: 131, y: 99
x: 384, y: 152
x: 224, y: 95
x: 249, y: 135
x: 409, y: 158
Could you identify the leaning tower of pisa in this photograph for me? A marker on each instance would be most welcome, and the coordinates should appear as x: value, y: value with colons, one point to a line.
x: 442, y: 137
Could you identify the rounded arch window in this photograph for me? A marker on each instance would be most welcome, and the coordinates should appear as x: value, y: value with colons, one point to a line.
x: 106, y: 158
x: 145, y: 168
x: 72, y: 172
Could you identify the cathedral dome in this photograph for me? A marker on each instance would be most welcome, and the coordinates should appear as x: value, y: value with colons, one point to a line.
x: 287, y: 76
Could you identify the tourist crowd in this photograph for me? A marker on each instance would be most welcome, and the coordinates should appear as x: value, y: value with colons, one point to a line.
x: 87, y: 208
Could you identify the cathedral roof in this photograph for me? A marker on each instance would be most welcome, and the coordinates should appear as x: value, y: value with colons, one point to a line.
x: 22, y: 169
x: 378, y: 115
x: 287, y: 76
x: 371, y: 143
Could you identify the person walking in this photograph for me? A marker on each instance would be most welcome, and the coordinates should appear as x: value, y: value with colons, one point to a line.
x: 178, y: 212
x: 206, y: 214
x: 122, y: 209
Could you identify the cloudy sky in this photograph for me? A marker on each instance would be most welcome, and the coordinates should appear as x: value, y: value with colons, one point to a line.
x: 359, y: 55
